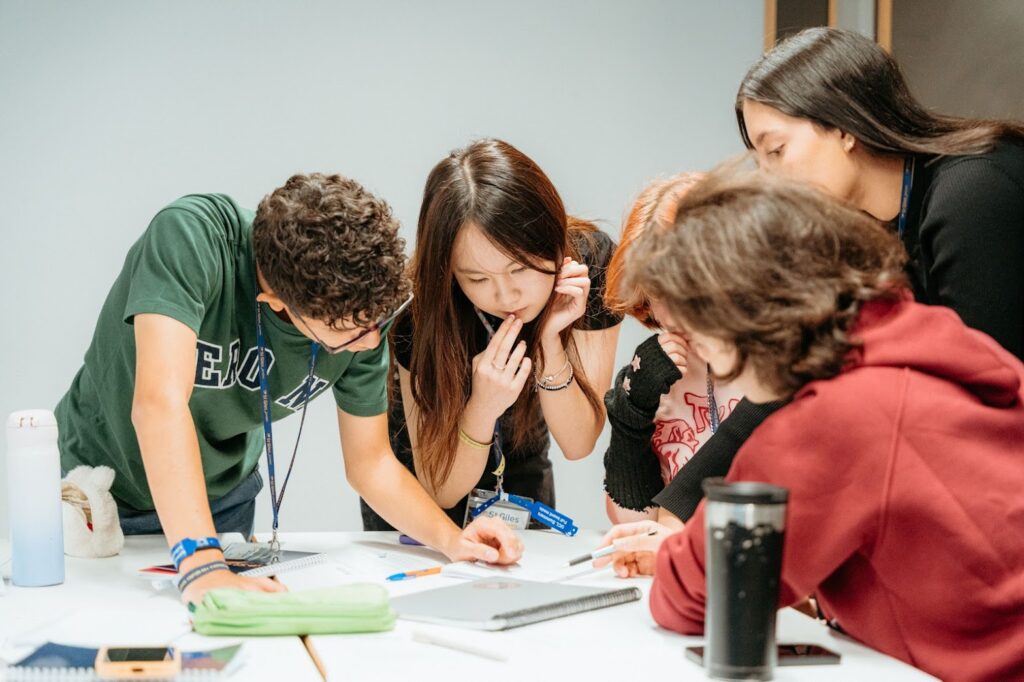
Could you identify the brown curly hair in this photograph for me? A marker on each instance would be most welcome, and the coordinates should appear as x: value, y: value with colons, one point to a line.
x: 330, y: 250
x: 772, y: 266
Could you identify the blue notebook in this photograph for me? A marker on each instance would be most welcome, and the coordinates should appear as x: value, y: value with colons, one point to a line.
x: 55, y: 661
x: 61, y: 663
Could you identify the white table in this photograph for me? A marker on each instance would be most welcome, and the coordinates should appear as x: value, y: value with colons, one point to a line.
x: 622, y: 642
x: 104, y: 602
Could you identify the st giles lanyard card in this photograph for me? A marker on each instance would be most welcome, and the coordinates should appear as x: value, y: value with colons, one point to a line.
x: 514, y: 510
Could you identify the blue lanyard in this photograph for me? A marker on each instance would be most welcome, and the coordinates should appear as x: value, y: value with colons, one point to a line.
x: 712, y: 403
x: 496, y: 443
x: 499, y: 458
x: 908, y: 181
x: 268, y: 430
x: 538, y: 510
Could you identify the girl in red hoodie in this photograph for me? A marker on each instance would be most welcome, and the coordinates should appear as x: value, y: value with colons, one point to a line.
x: 901, y: 446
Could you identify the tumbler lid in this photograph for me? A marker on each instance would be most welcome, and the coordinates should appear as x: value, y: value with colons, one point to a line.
x: 744, y: 492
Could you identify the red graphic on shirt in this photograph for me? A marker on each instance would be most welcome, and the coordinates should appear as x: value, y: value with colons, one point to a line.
x: 669, y: 438
x: 699, y: 408
x: 675, y: 441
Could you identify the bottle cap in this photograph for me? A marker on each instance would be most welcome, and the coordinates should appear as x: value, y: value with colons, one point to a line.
x: 27, y: 419
x: 29, y: 428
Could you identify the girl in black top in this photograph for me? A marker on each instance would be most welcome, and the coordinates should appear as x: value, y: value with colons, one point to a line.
x: 831, y: 107
x: 496, y: 252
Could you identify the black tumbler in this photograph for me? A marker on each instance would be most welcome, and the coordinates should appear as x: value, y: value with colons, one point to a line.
x: 744, y: 524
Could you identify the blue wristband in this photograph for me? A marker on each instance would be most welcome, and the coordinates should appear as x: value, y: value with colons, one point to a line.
x: 189, y: 546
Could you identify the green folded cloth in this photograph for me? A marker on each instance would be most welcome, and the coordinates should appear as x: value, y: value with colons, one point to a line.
x: 362, y: 607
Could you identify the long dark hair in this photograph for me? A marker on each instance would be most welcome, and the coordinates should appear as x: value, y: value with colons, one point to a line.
x: 502, y: 191
x: 841, y: 79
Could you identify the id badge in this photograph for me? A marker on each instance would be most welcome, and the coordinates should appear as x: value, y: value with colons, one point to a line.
x: 515, y: 516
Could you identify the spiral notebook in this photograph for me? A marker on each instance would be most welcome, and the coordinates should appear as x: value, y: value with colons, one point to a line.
x: 251, y: 559
x: 60, y: 663
x: 505, y: 603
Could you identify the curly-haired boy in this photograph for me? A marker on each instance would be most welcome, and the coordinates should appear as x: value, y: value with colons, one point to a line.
x: 224, y: 320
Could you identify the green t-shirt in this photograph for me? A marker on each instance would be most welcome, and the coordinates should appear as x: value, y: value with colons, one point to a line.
x: 195, y: 264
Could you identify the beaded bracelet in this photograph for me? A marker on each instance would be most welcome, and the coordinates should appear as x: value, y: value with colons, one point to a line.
x: 559, y: 387
x: 199, y: 571
x: 468, y: 440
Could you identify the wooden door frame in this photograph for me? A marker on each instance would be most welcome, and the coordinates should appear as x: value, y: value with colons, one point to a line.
x: 883, y: 22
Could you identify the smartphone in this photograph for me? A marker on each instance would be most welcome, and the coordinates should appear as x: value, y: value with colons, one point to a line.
x: 788, y: 654
x: 137, y: 662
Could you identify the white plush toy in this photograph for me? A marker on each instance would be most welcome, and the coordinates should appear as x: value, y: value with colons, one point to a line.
x: 85, y: 493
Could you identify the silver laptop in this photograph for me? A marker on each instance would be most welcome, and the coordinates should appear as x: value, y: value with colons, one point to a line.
x: 503, y: 603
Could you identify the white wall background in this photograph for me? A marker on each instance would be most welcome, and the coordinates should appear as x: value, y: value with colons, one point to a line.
x: 109, y: 110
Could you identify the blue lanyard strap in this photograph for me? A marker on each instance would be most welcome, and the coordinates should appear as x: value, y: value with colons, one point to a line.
x: 497, y: 451
x: 499, y: 457
x: 538, y: 510
x: 268, y: 431
x: 712, y: 403
x: 908, y: 181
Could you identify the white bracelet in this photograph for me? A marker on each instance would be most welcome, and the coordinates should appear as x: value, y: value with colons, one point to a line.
x: 559, y: 387
x: 545, y: 381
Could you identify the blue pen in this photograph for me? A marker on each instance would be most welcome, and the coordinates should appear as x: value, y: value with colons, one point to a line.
x: 408, y: 575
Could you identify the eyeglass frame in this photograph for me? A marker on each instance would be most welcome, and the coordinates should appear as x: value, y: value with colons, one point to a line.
x: 376, y: 326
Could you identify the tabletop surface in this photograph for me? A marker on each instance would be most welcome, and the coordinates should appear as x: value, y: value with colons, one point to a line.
x: 103, y: 601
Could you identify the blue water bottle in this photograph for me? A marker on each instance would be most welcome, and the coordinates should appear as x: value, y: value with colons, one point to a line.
x: 33, y: 492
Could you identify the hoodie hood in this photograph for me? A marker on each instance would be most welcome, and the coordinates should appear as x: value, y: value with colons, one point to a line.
x: 934, y: 340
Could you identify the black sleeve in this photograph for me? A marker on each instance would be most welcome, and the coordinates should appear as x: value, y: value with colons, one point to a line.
x: 401, y: 339
x: 632, y: 472
x: 714, y: 458
x: 972, y: 247
x: 595, y: 250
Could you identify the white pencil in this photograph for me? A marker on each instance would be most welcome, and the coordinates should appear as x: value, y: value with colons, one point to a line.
x: 458, y: 645
x: 604, y: 551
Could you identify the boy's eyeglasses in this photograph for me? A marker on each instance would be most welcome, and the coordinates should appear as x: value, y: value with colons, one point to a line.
x: 383, y: 322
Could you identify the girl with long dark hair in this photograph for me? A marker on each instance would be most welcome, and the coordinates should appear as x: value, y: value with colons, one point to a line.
x: 508, y: 337
x: 832, y: 107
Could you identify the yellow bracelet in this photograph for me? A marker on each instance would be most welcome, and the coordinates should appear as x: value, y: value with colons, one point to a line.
x: 465, y: 438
